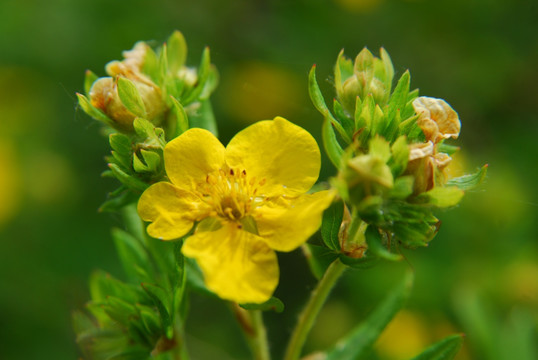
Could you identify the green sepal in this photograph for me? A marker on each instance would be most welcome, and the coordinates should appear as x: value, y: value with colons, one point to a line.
x: 403, y: 187
x: 161, y: 299
x: 469, y: 182
x: 131, y: 253
x: 414, y: 234
x: 92, y: 111
x: 400, y: 156
x: 151, y: 65
x: 130, y: 97
x: 120, y: 143
x: 103, y: 285
x: 89, y: 79
x: 398, y: 98
x: 343, y: 70
x: 118, y: 309
x: 128, y: 180
x: 446, y: 349
x: 375, y: 245
x: 341, y: 116
x: 204, y: 118
x: 360, y: 340
x: 152, y: 159
x: 273, y: 304
x: 315, y: 93
x: 182, y: 120
x: 330, y: 226
x: 122, y: 160
x: 389, y: 72
x: 118, y: 201
x: 330, y: 143
x: 210, y: 84
x: 150, y: 320
x: 442, y: 197
x: 203, y: 75
x: 176, y: 51
x: 162, y: 64
x: 366, y: 261
x: 447, y: 149
x: 380, y: 148
x: 319, y: 258
x: 154, y: 135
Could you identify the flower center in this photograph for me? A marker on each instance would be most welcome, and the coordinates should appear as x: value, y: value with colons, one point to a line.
x: 231, y: 193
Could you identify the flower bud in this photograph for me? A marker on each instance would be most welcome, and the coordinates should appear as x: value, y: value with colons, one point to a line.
x: 104, y: 96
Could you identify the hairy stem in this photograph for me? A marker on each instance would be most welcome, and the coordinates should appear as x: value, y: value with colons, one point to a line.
x: 312, y: 309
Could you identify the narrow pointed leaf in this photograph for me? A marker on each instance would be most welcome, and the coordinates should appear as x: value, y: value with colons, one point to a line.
x: 469, y: 182
x: 445, y: 349
x: 315, y: 93
x: 126, y: 179
x: 203, y: 75
x: 204, y: 118
x: 330, y: 226
x: 373, y: 239
x: 182, y: 120
x: 177, y: 51
x: 359, y: 342
x: 131, y: 252
x: 89, y: 79
x: 398, y: 98
x: 274, y: 304
x: 330, y: 143
x: 92, y: 111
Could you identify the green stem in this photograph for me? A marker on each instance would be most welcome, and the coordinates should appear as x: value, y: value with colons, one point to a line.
x: 251, y: 323
x: 261, y: 347
x: 312, y: 309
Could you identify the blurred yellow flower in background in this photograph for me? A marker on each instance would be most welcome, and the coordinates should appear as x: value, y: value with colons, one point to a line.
x: 256, y: 90
x: 9, y: 182
x: 248, y: 200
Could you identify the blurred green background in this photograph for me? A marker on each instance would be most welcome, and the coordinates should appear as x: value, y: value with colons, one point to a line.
x: 480, y: 274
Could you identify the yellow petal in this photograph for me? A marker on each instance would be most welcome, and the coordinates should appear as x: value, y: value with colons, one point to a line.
x: 284, y: 228
x: 171, y: 210
x: 193, y: 155
x: 283, y: 154
x: 237, y: 265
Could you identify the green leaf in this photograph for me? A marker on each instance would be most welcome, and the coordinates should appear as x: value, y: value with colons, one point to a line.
x: 360, y: 340
x: 342, y: 71
x: 151, y: 65
x: 375, y: 245
x: 89, y: 79
x: 182, y: 120
x: 203, y: 75
x: 389, y: 71
x: 162, y: 300
x: 118, y: 201
x: 131, y: 253
x: 210, y: 84
x: 366, y: 261
x: 330, y: 226
x: 92, y: 111
x: 120, y: 143
x: 445, y: 349
x: 273, y: 304
x: 128, y: 180
x: 398, y: 98
x: 330, y: 143
x: 315, y: 93
x: 130, y: 97
x: 400, y: 156
x: 442, y: 197
x: 403, y: 187
x: 103, y: 285
x: 469, y: 182
x: 447, y: 149
x: 177, y: 51
x: 319, y: 258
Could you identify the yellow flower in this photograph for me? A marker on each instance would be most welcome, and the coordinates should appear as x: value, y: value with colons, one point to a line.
x: 247, y: 199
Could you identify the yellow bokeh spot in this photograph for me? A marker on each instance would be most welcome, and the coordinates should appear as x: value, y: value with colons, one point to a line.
x: 9, y: 182
x: 255, y: 91
x: 521, y: 282
x: 359, y: 6
x: 406, y: 336
x: 53, y: 182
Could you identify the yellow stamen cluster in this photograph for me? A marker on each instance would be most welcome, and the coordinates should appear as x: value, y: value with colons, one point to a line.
x: 230, y: 193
